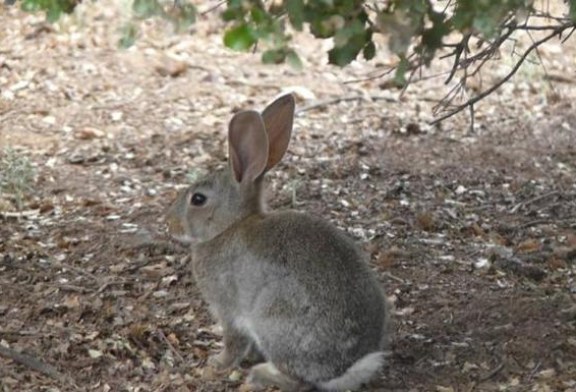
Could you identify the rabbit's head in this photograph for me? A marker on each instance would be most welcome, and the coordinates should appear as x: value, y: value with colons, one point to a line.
x: 256, y: 143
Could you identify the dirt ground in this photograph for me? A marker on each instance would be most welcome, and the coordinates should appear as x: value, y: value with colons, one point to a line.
x: 472, y: 232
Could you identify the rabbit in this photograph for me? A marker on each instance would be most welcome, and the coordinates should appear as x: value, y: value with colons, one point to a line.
x: 286, y: 286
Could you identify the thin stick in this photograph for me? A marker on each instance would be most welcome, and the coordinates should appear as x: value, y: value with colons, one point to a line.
x: 493, y: 372
x: 170, y: 346
x: 508, y: 76
x: 394, y: 277
x: 334, y: 101
x: 212, y: 8
x: 471, y: 118
x: 533, y: 200
x: 31, y: 363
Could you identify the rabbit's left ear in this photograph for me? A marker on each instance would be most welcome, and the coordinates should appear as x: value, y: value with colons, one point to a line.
x: 278, y: 120
x: 248, y: 146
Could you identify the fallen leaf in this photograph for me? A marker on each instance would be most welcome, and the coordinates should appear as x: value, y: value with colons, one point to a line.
x: 529, y: 246
x: 555, y: 263
x: 72, y: 301
x: 425, y: 221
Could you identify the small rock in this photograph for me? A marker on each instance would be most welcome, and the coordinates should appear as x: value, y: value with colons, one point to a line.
x: 172, y: 68
x: 116, y: 116
x: 88, y: 133
x: 460, y: 189
x: 546, y: 374
x: 482, y: 263
x: 235, y: 376
x: 94, y: 354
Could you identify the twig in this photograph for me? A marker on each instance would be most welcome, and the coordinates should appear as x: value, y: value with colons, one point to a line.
x: 4, y: 332
x: 559, y: 78
x: 394, y: 277
x: 534, y: 370
x: 543, y: 65
x: 471, y: 118
x: 107, y: 284
x: 536, y: 222
x: 212, y: 8
x: 531, y: 201
x: 460, y: 48
x: 20, y: 214
x: 333, y: 101
x: 31, y: 363
x: 508, y: 76
x: 569, y: 35
x: 368, y: 78
x: 492, y: 373
x: 78, y: 270
x: 170, y: 346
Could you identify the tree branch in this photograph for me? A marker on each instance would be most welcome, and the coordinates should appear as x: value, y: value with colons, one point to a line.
x: 556, y: 32
x: 31, y: 363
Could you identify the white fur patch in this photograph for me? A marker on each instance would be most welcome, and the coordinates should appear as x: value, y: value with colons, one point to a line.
x: 357, y: 374
x: 270, y: 368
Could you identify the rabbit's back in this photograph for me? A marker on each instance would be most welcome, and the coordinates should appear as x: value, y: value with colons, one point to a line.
x: 300, y: 288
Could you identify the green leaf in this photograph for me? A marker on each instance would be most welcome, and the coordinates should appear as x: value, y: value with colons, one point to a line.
x: 343, y: 36
x: 432, y: 38
x: 369, y: 51
x: 274, y: 56
x: 486, y: 25
x: 343, y: 56
x: 401, y: 69
x: 346, y: 53
x: 260, y: 16
x: 185, y: 17
x: 240, y: 38
x: 147, y: 8
x: 129, y: 34
x: 324, y: 25
x: 400, y: 28
x: 573, y: 10
x: 229, y: 15
x: 295, y: 9
x: 53, y: 8
x: 53, y: 14
x: 30, y: 6
x: 293, y: 60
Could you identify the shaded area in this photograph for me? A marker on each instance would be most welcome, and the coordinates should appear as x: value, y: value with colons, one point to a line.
x: 472, y: 234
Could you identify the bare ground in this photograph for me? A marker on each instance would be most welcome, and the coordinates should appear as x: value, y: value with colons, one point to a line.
x: 473, y: 233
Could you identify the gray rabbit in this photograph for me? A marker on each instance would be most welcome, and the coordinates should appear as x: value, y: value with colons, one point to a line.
x: 286, y: 285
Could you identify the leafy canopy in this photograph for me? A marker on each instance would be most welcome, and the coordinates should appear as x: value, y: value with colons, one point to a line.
x: 471, y: 31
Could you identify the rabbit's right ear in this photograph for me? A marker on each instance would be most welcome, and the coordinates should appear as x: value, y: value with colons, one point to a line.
x: 278, y: 119
x: 247, y: 145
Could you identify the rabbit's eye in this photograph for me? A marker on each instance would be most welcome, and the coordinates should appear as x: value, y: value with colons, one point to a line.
x: 198, y: 199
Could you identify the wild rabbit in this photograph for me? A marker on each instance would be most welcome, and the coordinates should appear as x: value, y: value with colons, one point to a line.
x: 286, y: 285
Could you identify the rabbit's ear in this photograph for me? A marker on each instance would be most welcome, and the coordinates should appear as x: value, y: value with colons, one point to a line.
x: 278, y: 119
x: 248, y: 146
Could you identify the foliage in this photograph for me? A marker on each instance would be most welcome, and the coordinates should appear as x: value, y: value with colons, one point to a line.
x: 16, y: 175
x: 53, y: 8
x: 471, y: 31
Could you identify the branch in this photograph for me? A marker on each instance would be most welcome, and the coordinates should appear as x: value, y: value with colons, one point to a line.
x: 460, y: 47
x: 31, y: 362
x: 556, y: 32
x: 332, y: 101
